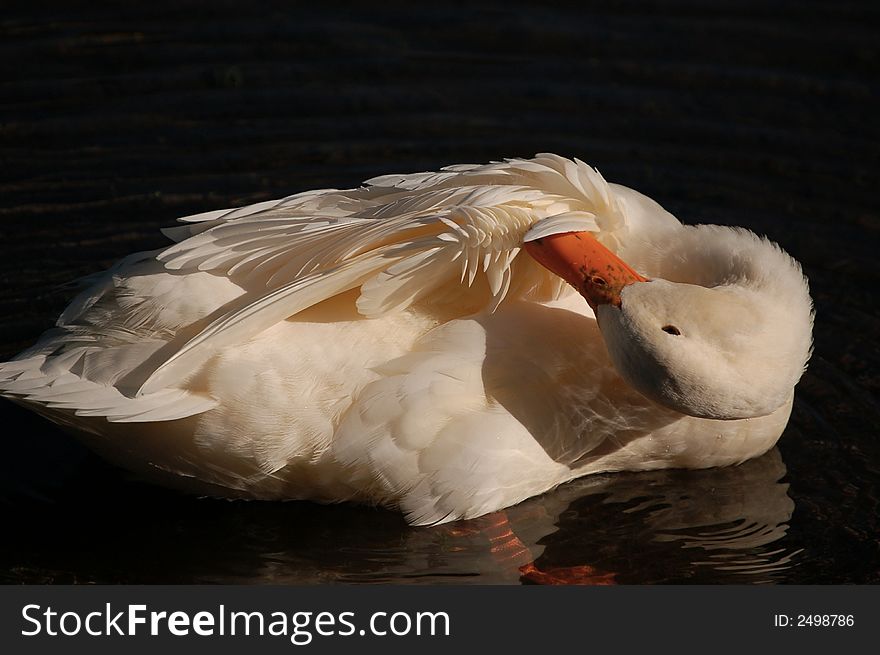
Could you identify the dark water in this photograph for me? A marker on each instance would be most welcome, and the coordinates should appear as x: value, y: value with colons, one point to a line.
x: 114, y: 121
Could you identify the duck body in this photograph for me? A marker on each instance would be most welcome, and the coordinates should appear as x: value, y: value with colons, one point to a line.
x: 392, y: 344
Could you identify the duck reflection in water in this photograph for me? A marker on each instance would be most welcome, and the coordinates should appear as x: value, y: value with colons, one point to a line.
x: 710, y: 526
x: 716, y: 525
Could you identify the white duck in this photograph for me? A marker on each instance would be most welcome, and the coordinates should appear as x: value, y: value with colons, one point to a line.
x: 413, y: 343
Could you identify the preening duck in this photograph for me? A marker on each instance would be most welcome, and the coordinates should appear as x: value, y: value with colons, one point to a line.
x: 445, y: 343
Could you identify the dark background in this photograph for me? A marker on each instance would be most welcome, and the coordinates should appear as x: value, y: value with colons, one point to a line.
x: 114, y: 120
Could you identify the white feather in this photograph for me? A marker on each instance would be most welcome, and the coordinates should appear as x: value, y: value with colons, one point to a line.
x: 562, y: 223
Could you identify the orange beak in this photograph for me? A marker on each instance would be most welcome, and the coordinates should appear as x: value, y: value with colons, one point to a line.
x: 579, y: 259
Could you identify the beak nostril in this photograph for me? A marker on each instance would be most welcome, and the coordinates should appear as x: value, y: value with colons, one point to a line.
x: 598, y: 281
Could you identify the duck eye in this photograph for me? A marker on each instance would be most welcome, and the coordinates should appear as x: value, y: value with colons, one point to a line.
x: 671, y: 329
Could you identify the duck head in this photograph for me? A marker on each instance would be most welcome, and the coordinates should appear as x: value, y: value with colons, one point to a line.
x: 719, y: 326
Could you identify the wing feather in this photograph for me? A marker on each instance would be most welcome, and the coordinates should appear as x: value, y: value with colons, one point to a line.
x: 400, y: 238
x: 254, y: 316
x: 452, y: 235
x: 61, y: 393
